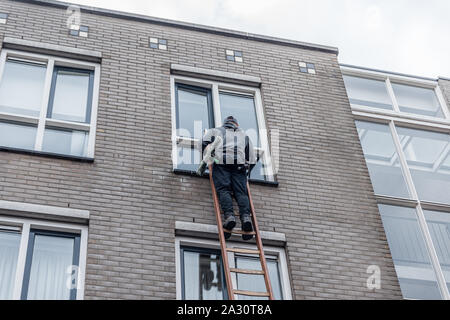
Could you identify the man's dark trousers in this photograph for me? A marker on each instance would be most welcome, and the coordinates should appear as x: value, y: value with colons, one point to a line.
x: 227, y: 179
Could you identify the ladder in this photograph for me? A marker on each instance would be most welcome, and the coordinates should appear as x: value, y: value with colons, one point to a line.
x: 259, y: 251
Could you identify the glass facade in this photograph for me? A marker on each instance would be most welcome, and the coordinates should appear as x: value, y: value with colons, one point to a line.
x: 409, y: 161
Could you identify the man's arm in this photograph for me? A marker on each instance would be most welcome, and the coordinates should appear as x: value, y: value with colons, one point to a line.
x: 207, y: 139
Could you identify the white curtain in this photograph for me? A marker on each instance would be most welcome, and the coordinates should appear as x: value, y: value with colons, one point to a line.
x: 9, y: 251
x: 52, y: 256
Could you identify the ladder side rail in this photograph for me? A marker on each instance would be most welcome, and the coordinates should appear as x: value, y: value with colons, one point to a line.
x: 260, y: 246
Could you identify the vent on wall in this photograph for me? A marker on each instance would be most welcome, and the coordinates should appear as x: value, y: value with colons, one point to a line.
x: 157, y: 43
x: 79, y: 31
x: 306, y: 67
x: 233, y: 55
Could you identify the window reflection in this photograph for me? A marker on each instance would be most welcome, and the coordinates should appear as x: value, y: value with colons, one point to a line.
x: 367, y: 92
x: 256, y: 282
x: 22, y: 88
x: 243, y: 109
x: 409, y: 253
x: 439, y: 226
x: 428, y: 157
x: 421, y: 101
x: 382, y: 159
x: 194, y: 113
x: 203, y: 276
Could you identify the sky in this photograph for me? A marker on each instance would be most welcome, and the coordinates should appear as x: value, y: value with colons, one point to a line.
x: 406, y: 36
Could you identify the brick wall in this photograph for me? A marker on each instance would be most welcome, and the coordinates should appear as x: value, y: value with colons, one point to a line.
x: 444, y: 85
x: 324, y: 203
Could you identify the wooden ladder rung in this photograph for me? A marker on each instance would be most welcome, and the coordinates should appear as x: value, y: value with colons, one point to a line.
x: 246, y: 271
x: 241, y: 250
x: 251, y: 293
x: 239, y: 232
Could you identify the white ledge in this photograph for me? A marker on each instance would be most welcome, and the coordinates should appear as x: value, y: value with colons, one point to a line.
x: 42, y: 211
x: 215, y: 74
x: 184, y: 228
x: 47, y: 48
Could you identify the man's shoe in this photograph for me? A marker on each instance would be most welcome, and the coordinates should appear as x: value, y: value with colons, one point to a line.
x: 229, y: 224
x: 246, y: 223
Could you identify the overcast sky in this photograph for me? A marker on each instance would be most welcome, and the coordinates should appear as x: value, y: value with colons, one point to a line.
x: 408, y: 36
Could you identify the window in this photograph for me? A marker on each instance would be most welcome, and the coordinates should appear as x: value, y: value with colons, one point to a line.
x: 422, y: 101
x: 382, y: 159
x: 409, y: 252
x: 367, y: 92
x: 256, y: 282
x: 9, y: 251
x: 407, y: 151
x: 439, y: 225
x: 20, y: 77
x: 200, y: 275
x: 48, y: 104
x: 49, y: 256
x: 199, y: 105
x: 36, y: 263
x: 428, y: 156
x: 391, y: 93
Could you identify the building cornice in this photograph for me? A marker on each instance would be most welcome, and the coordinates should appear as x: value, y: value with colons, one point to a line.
x: 187, y: 25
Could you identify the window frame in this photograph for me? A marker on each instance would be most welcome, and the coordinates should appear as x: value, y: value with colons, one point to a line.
x: 196, y: 243
x: 27, y: 226
x: 42, y: 121
x: 395, y: 119
x: 216, y: 87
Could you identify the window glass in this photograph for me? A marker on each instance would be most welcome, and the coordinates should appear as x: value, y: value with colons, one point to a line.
x: 409, y: 253
x: 382, y: 159
x: 52, y: 257
x: 417, y: 100
x: 65, y: 141
x: 367, y: 92
x: 22, y: 88
x: 202, y: 275
x: 427, y: 154
x: 15, y: 135
x: 256, y: 283
x: 70, y: 95
x: 188, y: 158
x: 439, y: 226
x: 243, y: 109
x: 9, y: 252
x: 258, y: 171
x: 194, y: 111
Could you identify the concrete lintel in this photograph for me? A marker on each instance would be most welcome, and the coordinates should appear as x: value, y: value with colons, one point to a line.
x: 215, y: 74
x: 30, y: 210
x: 52, y: 49
x: 200, y: 230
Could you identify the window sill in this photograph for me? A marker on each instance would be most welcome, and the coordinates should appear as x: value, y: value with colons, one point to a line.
x: 206, y: 175
x: 47, y: 154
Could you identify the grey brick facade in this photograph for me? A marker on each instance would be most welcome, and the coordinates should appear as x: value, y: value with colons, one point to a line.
x: 324, y: 203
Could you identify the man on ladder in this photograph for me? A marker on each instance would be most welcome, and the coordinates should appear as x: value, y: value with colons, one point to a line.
x: 235, y: 158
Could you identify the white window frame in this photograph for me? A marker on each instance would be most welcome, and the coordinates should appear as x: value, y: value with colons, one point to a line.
x: 42, y: 120
x: 25, y: 226
x: 396, y: 119
x: 216, y: 87
x: 270, y: 251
